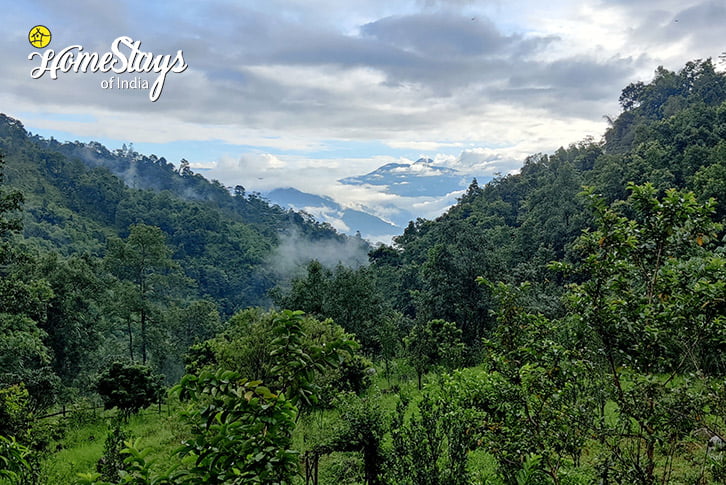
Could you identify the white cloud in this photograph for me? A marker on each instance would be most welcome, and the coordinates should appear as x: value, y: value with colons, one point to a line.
x: 477, y: 86
x: 424, y: 146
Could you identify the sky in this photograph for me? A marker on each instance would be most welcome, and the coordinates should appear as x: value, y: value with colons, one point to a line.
x: 304, y: 92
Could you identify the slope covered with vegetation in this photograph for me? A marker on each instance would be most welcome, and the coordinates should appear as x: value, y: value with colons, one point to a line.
x: 118, y: 272
x: 78, y: 196
x: 671, y: 134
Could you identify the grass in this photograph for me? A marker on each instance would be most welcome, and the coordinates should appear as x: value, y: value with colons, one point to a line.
x: 83, y: 443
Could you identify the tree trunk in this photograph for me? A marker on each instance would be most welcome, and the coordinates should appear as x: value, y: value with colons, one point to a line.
x: 143, y: 336
x: 131, y: 338
x: 371, y: 464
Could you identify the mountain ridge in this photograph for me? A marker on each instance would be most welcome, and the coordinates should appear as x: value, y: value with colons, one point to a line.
x: 326, y: 209
x: 422, y: 178
x: 79, y: 196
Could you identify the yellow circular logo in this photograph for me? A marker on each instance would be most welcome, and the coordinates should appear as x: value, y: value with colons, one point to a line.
x: 39, y: 36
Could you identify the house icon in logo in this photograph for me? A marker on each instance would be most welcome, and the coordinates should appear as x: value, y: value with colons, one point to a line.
x: 39, y: 36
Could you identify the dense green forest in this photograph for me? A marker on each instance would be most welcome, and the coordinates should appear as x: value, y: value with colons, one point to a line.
x: 562, y: 325
x: 120, y: 273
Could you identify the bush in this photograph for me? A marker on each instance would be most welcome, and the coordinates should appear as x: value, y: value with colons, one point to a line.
x: 112, y: 460
x: 128, y: 387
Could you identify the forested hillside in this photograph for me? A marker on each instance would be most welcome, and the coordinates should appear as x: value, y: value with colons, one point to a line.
x: 671, y: 134
x: 78, y: 195
x: 162, y: 253
x: 565, y: 325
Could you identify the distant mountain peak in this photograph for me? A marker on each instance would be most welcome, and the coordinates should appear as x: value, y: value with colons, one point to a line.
x: 422, y: 178
x: 325, y: 209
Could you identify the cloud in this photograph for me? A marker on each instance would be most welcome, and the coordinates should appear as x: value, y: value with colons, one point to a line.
x: 695, y: 25
x: 667, y: 32
x: 441, y: 35
x: 273, y: 87
x: 294, y: 251
x: 262, y: 68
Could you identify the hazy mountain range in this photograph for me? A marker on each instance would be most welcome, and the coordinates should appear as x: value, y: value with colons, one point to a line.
x: 421, y: 183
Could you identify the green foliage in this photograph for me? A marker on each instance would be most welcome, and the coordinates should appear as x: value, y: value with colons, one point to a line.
x: 75, y: 319
x: 432, y: 446
x: 24, y: 357
x: 697, y: 84
x: 24, y: 439
x: 435, y: 343
x: 670, y: 136
x: 341, y: 468
x: 654, y: 416
x: 78, y: 195
x: 137, y: 471
x: 183, y: 325
x: 243, y: 432
x: 290, y: 350
x: 651, y: 301
x: 390, y: 336
x: 360, y: 428
x: 530, y: 474
x: 244, y: 346
x: 15, y: 410
x: 112, y: 462
x: 194, y: 323
x: 294, y: 365
x: 611, y: 385
x: 240, y: 433
x: 347, y: 296
x: 143, y: 254
x: 542, y: 410
x: 128, y: 387
x: 654, y: 293
x: 144, y: 260
x: 448, y: 290
x: 14, y: 466
x: 10, y: 203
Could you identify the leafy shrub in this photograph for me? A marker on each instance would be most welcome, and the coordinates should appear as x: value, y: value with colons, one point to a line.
x: 112, y: 461
x: 129, y: 388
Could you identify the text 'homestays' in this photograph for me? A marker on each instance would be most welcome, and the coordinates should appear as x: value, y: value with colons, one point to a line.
x: 125, y: 57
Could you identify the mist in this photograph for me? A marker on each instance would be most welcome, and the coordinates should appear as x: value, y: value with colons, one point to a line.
x: 290, y: 258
